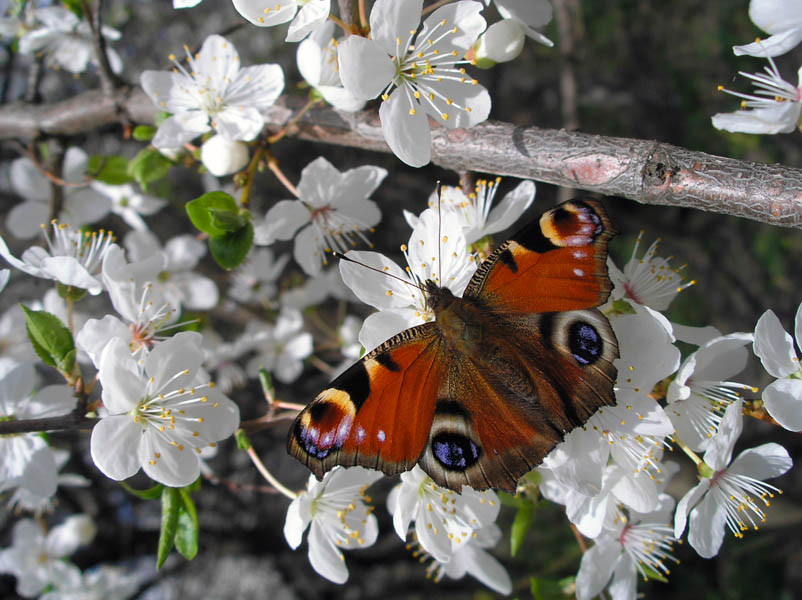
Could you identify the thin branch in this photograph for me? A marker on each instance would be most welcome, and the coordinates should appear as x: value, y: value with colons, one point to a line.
x: 349, y: 15
x: 71, y: 421
x: 646, y: 171
x: 94, y: 16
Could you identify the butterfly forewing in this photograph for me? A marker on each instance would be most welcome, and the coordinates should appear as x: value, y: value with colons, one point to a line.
x: 378, y: 413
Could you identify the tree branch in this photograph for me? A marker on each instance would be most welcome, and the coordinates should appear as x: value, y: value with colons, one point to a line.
x: 646, y: 171
x: 71, y: 421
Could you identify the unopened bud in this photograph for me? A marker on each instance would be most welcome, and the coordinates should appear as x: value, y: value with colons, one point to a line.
x: 223, y: 157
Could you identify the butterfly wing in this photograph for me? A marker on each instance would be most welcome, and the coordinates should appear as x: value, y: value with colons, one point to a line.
x: 504, y: 409
x: 557, y: 263
x: 379, y: 412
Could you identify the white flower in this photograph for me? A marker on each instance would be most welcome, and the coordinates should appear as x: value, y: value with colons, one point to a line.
x: 630, y: 545
x: 649, y: 279
x: 185, y: 3
x: 105, y: 582
x: 221, y: 358
x: 281, y: 348
x: 775, y: 348
x: 138, y: 297
x: 774, y: 108
x: 37, y: 560
x: 727, y: 498
x: 398, y: 293
x: 528, y: 15
x: 181, y: 285
x: 701, y: 391
x: 317, y: 63
x: 73, y: 258
x: 159, y: 414
x: 222, y: 156
x: 80, y: 204
x: 471, y: 559
x: 332, y: 211
x: 25, y: 499
x: 340, y: 520
x: 25, y: 460
x: 255, y: 280
x: 214, y: 93
x: 129, y: 203
x: 306, y: 15
x: 780, y: 18
x: 67, y: 40
x: 428, y: 78
x: 473, y: 211
x: 444, y: 520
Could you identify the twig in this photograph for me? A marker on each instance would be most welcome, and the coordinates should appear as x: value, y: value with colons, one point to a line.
x: 71, y: 421
x: 268, y: 475
x: 272, y: 164
x: 643, y: 170
x: 284, y: 130
x: 349, y: 16
x: 94, y: 16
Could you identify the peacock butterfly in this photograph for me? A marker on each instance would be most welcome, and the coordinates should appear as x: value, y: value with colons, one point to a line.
x: 481, y: 394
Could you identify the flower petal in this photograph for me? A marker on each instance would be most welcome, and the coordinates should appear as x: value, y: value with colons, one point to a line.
x: 311, y: 15
x: 783, y: 400
x: 171, y: 465
x: 115, y: 445
x: 281, y: 222
x: 365, y: 69
x: 324, y: 556
x: 596, y: 568
x: 706, y: 528
x: 763, y: 462
x: 774, y: 346
x: 775, y: 45
x: 390, y: 20
x: 406, y: 133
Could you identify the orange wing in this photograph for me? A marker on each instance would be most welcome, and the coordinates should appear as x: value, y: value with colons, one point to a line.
x: 556, y: 263
x: 379, y: 412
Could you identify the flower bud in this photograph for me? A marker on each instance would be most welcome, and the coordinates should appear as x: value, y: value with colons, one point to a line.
x: 502, y: 42
x: 223, y: 157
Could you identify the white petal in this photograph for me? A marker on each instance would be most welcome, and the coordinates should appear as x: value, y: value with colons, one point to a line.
x: 75, y: 531
x: 67, y: 270
x: 486, y: 569
x: 775, y: 45
x: 281, y: 222
x: 263, y: 13
x: 340, y: 98
x: 390, y: 19
x: 507, y: 212
x: 239, y: 123
x: 763, y: 462
x: 183, y: 252
x: 28, y: 181
x: 51, y: 401
x: 359, y: 183
x: 24, y: 219
x: 408, y: 135
x: 119, y: 376
x: 798, y: 326
x: 95, y: 334
x: 257, y: 86
x: 196, y: 291
x: 625, y: 579
x: 719, y: 452
x: 365, y: 69
x: 295, y: 524
x: 465, y: 16
x: 308, y: 252
x: 783, y: 401
x: 325, y: 557
x: 310, y: 53
x: 177, y: 130
x: 115, y: 445
x: 40, y: 475
x: 167, y: 362
x: 308, y: 18
x: 686, y: 504
x: 318, y: 180
x: 535, y: 13
x: 596, y: 568
x: 176, y: 466
x: 781, y: 118
x: 377, y: 289
x: 774, y: 346
x: 722, y: 357
x: 706, y: 528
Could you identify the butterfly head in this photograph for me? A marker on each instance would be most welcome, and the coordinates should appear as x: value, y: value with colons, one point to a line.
x: 437, y: 298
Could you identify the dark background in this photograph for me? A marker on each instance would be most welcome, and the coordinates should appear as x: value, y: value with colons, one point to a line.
x: 646, y: 70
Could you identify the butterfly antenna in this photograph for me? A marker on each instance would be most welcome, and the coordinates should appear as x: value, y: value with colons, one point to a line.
x: 336, y: 254
x: 439, y: 236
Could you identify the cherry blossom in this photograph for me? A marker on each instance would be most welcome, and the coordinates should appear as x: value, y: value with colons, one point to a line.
x: 159, y: 415
x: 332, y: 212
x: 215, y: 93
x: 727, y: 497
x: 338, y: 518
x: 280, y: 348
x: 775, y: 348
x: 305, y: 15
x: 783, y: 20
x: 417, y: 72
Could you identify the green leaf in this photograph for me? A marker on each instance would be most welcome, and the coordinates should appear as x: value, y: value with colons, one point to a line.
x: 546, y: 589
x: 187, y: 530
x: 520, y: 527
x: 161, y: 117
x: 171, y: 503
x: 243, y: 441
x: 508, y: 499
x: 109, y: 169
x: 149, y: 165
x: 143, y: 133
x: 149, y: 494
x: 51, y: 339
x: 210, y: 212
x: 75, y: 7
x: 231, y: 249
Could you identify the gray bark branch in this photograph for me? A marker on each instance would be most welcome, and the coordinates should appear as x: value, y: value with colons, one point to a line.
x: 646, y: 171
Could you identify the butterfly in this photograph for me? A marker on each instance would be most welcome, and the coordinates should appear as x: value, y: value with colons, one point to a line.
x: 482, y: 393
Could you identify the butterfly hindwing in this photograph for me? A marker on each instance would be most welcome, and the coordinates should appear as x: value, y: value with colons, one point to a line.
x: 379, y: 412
x: 503, y: 410
x: 556, y: 263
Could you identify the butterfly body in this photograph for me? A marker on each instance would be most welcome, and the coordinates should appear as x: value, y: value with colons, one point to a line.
x: 481, y: 394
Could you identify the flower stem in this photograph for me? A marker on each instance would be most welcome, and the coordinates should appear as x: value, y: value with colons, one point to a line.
x: 691, y: 454
x: 250, y: 174
x: 268, y: 475
x: 296, y: 117
x: 340, y: 22
x: 363, y: 16
x: 272, y: 164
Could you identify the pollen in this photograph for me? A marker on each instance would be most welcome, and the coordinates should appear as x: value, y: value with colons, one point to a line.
x: 389, y: 292
x: 412, y: 111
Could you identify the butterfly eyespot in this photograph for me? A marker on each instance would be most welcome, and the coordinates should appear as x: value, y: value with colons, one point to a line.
x: 585, y: 343
x: 455, y: 452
